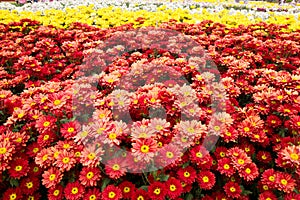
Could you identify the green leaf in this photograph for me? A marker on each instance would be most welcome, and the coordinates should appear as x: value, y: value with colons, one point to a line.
x: 189, y: 197
x: 144, y: 187
x: 164, y: 177
x: 14, y: 182
x: 105, y: 182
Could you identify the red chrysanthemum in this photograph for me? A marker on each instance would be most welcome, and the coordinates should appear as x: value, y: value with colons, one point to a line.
x: 73, y: 191
x: 89, y: 176
x: 267, y: 195
x: 65, y: 160
x: 220, y: 152
x: 140, y: 194
x: 51, y: 177
x: 6, y: 150
x: 225, y: 167
x: 291, y: 155
x: 111, y: 192
x: 29, y: 185
x: 115, y: 168
x: 206, y: 180
x: 70, y: 129
x: 45, y: 123
x: 92, y: 194
x: 12, y: 193
x: 232, y: 189
x: 56, y: 193
x: 174, y: 188
x: 187, y: 175
x: 128, y: 189
x: 264, y: 156
x: 249, y: 172
x: 285, y: 182
x: 19, y: 167
x: 157, y: 190
x: 144, y: 149
x: 268, y: 178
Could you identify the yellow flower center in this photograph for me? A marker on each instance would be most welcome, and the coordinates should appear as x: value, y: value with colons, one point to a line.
x: 91, y: 156
x: 272, y: 178
x: 52, y: 177
x: 205, y: 179
x: 241, y: 161
x: 46, y: 124
x: 74, y: 190
x: 111, y: 195
x: 226, y: 166
x: 116, y: 167
x: 90, y: 175
x: 71, y: 129
x: 35, y: 169
x: 169, y: 154
x: 29, y: 185
x: 232, y: 189
x: 35, y: 150
x: 191, y: 130
x: 294, y: 156
x: 3, y: 150
x: 283, y: 181
x: 140, y: 198
x: 18, y: 168
x: 222, y: 154
x: 248, y: 171
x: 57, y: 102
x: 159, y: 127
x: 13, y: 196
x: 56, y: 192
x: 157, y: 191
x: 66, y: 160
x: 112, y: 136
x: 46, y: 137
x: 265, y: 187
x: 126, y: 189
x: 144, y: 149
x: 264, y: 157
x: 186, y: 174
x: 246, y: 129
x: 172, y: 188
x: 199, y: 155
x: 92, y: 197
x: 217, y: 128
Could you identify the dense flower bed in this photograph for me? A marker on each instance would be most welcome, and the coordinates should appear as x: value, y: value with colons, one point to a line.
x: 44, y: 151
x: 115, y: 13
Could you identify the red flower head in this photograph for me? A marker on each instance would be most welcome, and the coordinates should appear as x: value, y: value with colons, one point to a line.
x: 19, y: 167
x: 232, y: 189
x: 45, y: 123
x: 29, y: 185
x: 220, y: 152
x: 12, y: 193
x: 73, y: 191
x: 115, y: 168
x: 157, y: 190
x: 111, y: 192
x: 128, y: 189
x: 70, y: 129
x: 267, y: 195
x: 225, y: 167
x: 264, y: 157
x: 269, y: 178
x: 65, y: 160
x: 249, y: 172
x: 140, y: 194
x: 6, y: 150
x: 51, y: 177
x: 89, y: 176
x: 144, y: 149
x: 92, y: 194
x: 174, y: 188
x: 187, y: 175
x: 56, y: 193
x: 206, y: 180
x: 285, y: 182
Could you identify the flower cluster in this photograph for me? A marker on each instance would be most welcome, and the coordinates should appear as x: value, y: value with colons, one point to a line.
x: 80, y: 112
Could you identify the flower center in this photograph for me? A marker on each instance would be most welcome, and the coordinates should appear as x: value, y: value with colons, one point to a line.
x: 157, y: 191
x: 145, y: 149
x: 140, y: 198
x: 159, y: 127
x: 232, y: 189
x: 56, y: 193
x: 222, y: 154
x: 29, y: 185
x: 112, y: 136
x: 170, y: 154
x: 3, y: 150
x: 226, y: 166
x: 199, y: 155
x: 294, y: 156
x: 46, y: 137
x: 35, y: 150
x: 248, y: 171
x: 90, y: 175
x: 111, y: 195
x: 71, y: 129
x: 246, y: 129
x: 74, y: 190
x: 241, y: 161
x: 116, y: 167
x: 57, y: 102
x: 283, y: 182
x: 126, y: 189
x: 186, y: 174
x: 46, y: 124
x: 191, y: 130
x: 172, y: 188
x: 18, y: 168
x: 205, y: 179
x: 92, y: 197
x: 217, y: 128
x: 272, y: 178
x: 66, y: 160
x: 52, y: 177
x: 91, y: 156
x: 13, y: 196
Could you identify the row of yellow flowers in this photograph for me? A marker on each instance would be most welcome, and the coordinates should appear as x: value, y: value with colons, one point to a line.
x: 113, y: 16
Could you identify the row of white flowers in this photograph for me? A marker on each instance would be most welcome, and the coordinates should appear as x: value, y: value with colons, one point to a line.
x: 153, y: 6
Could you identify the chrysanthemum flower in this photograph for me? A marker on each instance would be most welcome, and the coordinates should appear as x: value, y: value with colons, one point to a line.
x: 267, y: 195
x: 45, y: 123
x: 140, y: 194
x: 89, y: 176
x: 206, y: 180
x: 187, y: 175
x: 173, y: 188
x: 56, y: 193
x: 249, y: 172
x: 292, y: 196
x: 33, y: 149
x: 65, y: 160
x: 51, y: 177
x: 128, y: 189
x: 198, y: 154
x: 29, y: 185
x: 46, y: 138
x: 91, y: 156
x: 73, y: 191
x: 238, y: 158
x: 285, y: 182
x: 225, y: 167
x: 6, y: 150
x: 264, y: 156
x: 232, y: 189
x: 144, y: 149
x: 92, y: 194
x: 167, y: 155
x: 70, y: 129
x: 19, y: 167
x: 157, y: 190
x: 115, y: 168
x: 12, y: 193
x: 268, y: 178
x: 111, y: 192
x: 142, y: 132
x: 291, y: 155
